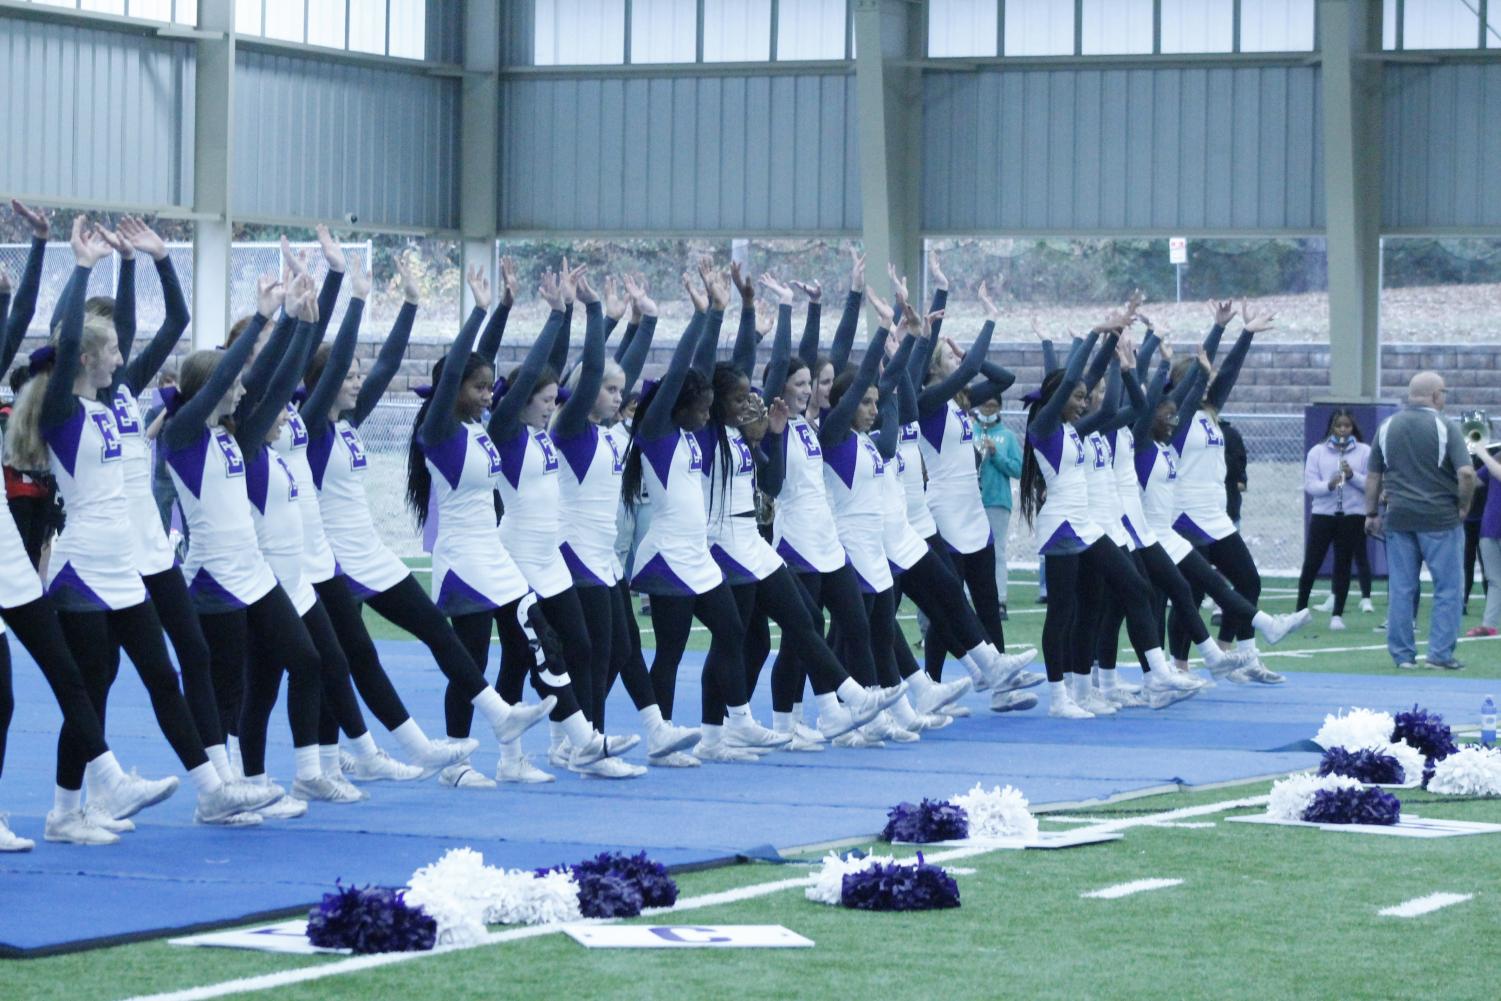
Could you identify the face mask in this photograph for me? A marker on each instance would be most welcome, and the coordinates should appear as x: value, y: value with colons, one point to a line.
x: 987, y: 420
x: 1341, y: 440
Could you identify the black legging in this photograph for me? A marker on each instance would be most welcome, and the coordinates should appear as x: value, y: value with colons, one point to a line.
x: 780, y: 599
x: 977, y: 571
x: 174, y: 606
x: 1076, y: 587
x: 406, y: 606
x: 528, y: 646
x: 838, y: 591
x: 365, y: 668
x: 588, y: 668
x: 630, y: 664
x: 1231, y: 558
x: 92, y: 637
x: 1347, y: 533
x: 935, y: 588
x: 1155, y: 565
x: 269, y: 636
x: 1472, y: 553
x: 340, y: 708
x: 672, y: 618
x: 1203, y: 579
x: 610, y: 642
x: 35, y: 625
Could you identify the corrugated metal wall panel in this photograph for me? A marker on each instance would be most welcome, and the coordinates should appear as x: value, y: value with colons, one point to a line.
x: 1442, y: 146
x: 726, y: 154
x: 318, y: 139
x: 445, y: 31
x: 95, y: 115
x: 1086, y: 150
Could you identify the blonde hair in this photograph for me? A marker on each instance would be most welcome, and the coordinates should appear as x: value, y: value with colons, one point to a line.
x: 24, y: 448
x: 612, y: 371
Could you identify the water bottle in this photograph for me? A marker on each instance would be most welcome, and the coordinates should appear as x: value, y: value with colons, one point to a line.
x: 1488, y: 722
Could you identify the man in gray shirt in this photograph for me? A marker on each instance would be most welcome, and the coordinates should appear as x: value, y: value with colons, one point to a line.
x: 1420, y: 464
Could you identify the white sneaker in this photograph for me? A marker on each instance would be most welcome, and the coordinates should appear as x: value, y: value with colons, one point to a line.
x: 1327, y: 605
x: 1336, y: 624
x: 1221, y: 662
x: 1064, y: 707
x: 286, y: 808
x: 723, y: 753
x: 1095, y: 702
x: 1282, y: 625
x: 931, y: 698
x: 441, y: 753
x: 611, y: 768
x: 596, y: 750
x: 1366, y: 606
x: 10, y: 841
x: 521, y: 771
x: 347, y: 787
x: 323, y: 789
x: 97, y: 815
x: 462, y: 776
x: 615, y: 746
x: 1173, y: 679
x: 1127, y: 687
x: 833, y: 722
x: 862, y: 709
x: 1123, y: 699
x: 381, y: 767
x: 134, y: 794
x: 241, y: 818
x: 807, y: 732
x: 957, y: 712
x: 1240, y: 676
x: 1263, y: 675
x: 73, y: 828
x: 1161, y: 698
x: 677, y: 759
x: 1011, y: 702
x: 857, y: 740
x: 668, y: 738
x: 232, y: 798
x: 746, y: 732
x: 936, y: 721
x: 799, y: 744
x: 520, y: 718
x: 559, y: 754
x: 883, y: 727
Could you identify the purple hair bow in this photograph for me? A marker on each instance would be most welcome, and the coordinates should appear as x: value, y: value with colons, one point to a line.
x: 424, y: 391
x: 1033, y: 396
x: 42, y: 359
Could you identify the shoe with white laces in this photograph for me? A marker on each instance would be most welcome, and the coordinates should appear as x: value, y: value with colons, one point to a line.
x: 936, y: 721
x: 676, y: 759
x: 806, y: 746
x: 1221, y: 662
x: 884, y: 727
x: 857, y: 740
x: 10, y: 841
x: 1122, y: 699
x: 1263, y: 675
x: 559, y: 754
x: 1063, y: 706
x: 218, y: 806
x: 73, y: 828
x: 932, y: 697
x: 745, y: 732
x: 1282, y: 625
x: 836, y: 721
x: 615, y: 746
x: 862, y: 709
x: 441, y: 753
x: 1327, y: 605
x: 381, y: 767
x: 97, y: 815
x: 1160, y: 691
x: 286, y: 808
x: 722, y: 753
x: 589, y: 753
x: 132, y: 794
x: 464, y: 776
x: 611, y: 768
x: 346, y: 760
x: 957, y: 711
x: 1011, y: 702
x: 348, y: 787
x: 323, y: 789
x: 1127, y: 687
x: 1336, y: 624
x: 1095, y: 702
x: 666, y: 738
x: 807, y: 732
x: 521, y: 771
x: 1172, y: 678
x: 1366, y: 606
x: 520, y: 718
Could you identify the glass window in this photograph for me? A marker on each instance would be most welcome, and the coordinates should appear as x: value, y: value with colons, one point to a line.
x: 248, y: 17
x: 409, y: 29
x: 367, y: 26
x: 1276, y: 25
x: 664, y: 31
x: 1493, y: 26
x: 325, y: 24
x: 187, y: 11
x: 1117, y: 26
x: 962, y: 27
x: 1389, y: 24
x: 1039, y: 27
x: 579, y: 32
x: 286, y: 20
x: 1198, y: 25
x: 103, y: 6
x: 1440, y: 24
x: 810, y: 29
x: 737, y: 31
x: 155, y: 10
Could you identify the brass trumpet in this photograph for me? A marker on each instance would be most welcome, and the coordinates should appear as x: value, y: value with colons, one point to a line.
x: 1477, y: 430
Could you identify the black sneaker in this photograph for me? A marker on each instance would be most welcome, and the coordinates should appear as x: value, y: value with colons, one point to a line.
x: 1451, y: 664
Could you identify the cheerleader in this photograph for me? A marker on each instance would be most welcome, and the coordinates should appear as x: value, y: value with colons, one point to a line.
x: 60, y: 422
x: 338, y: 404
x: 673, y: 563
x: 589, y: 488
x: 1199, y: 493
x: 476, y: 592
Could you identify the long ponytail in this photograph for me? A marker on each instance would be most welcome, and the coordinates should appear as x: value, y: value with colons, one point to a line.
x: 1034, y: 488
x: 25, y: 449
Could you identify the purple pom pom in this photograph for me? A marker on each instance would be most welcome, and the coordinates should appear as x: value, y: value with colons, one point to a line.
x: 1426, y: 731
x: 1353, y: 806
x: 929, y: 821
x: 372, y: 919
x: 894, y: 887
x: 1364, y: 764
x: 657, y: 889
x: 606, y: 896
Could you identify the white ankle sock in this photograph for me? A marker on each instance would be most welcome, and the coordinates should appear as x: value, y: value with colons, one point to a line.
x: 218, y: 756
x: 1261, y: 620
x: 1058, y: 690
x: 651, y: 716
x: 849, y: 690
x: 743, y: 712
x: 328, y: 759
x: 827, y: 702
x: 510, y: 752
x: 308, y: 764
x: 783, y: 722
x: 364, y: 746
x: 67, y: 800
x: 104, y: 772
x: 711, y: 734
x: 236, y: 759
x: 205, y: 779
x: 1247, y: 645
x: 490, y: 705
x: 411, y: 738
x: 1155, y: 659
x: 1106, y: 679
x: 577, y: 729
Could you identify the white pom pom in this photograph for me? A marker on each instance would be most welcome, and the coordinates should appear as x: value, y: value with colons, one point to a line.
x: 1356, y: 729
x: 463, y: 895
x: 1473, y: 770
x: 1291, y: 796
x: 997, y: 813
x: 1410, y: 758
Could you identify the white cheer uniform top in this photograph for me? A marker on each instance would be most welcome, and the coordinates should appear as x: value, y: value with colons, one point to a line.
x: 1063, y: 524
x: 92, y: 567
x: 589, y: 485
x: 224, y: 568
x: 337, y: 460
x: 1128, y: 491
x: 317, y: 556
x: 743, y: 554
x: 803, y: 529
x: 673, y: 557
x: 531, y: 527
x: 904, y: 546
x: 276, y: 509
x: 947, y: 439
x: 854, y: 476
x: 1157, y: 474
x: 153, y: 553
x: 914, y: 482
x: 1105, y: 508
x: 1199, y: 499
x: 472, y: 569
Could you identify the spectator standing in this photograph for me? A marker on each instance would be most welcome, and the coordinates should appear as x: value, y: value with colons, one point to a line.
x: 1420, y: 464
x: 1334, y: 478
x: 1489, y: 474
x: 1000, y: 463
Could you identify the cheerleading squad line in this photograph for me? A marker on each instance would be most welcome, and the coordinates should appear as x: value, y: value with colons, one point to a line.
x: 872, y: 468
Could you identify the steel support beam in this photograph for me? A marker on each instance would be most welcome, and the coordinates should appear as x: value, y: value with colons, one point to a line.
x: 213, y: 130
x: 479, y: 151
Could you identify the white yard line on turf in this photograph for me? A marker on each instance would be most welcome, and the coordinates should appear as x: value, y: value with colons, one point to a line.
x: 1127, y: 889
x: 1425, y: 905
x: 359, y: 964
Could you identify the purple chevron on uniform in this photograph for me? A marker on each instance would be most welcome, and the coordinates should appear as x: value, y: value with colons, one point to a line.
x: 188, y: 462
x: 209, y: 592
x: 64, y: 439
x: 1186, y: 527
x: 455, y: 597
x: 733, y: 572
x: 659, y: 453
x: 319, y: 448
x: 581, y: 572
x: 580, y: 449
x: 67, y: 584
x: 447, y: 456
x: 842, y: 458
x: 656, y: 577
x: 1063, y: 541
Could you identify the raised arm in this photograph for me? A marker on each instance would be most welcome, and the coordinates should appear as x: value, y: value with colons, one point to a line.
x: 1224, y: 312
x: 836, y: 426
x: 1141, y: 429
x: 59, y: 403
x: 1144, y: 353
x: 770, y: 455
x: 1224, y: 380
x: 440, y: 423
x: 633, y: 359
x: 23, y: 303
x: 844, y: 334
x: 573, y: 417
x: 144, y: 366
x: 185, y: 425
x: 658, y: 423
x: 781, y: 340
x: 1049, y: 416
x: 489, y: 341
x: 125, y: 302
x: 321, y: 397
x: 252, y: 431
x: 807, y: 346
x: 386, y: 364
x: 1101, y: 361
x: 938, y: 394
x: 505, y: 415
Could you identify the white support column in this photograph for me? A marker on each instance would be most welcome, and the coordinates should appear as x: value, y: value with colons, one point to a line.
x: 889, y: 33
x: 213, y: 117
x: 479, y: 152
x: 1350, y: 37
